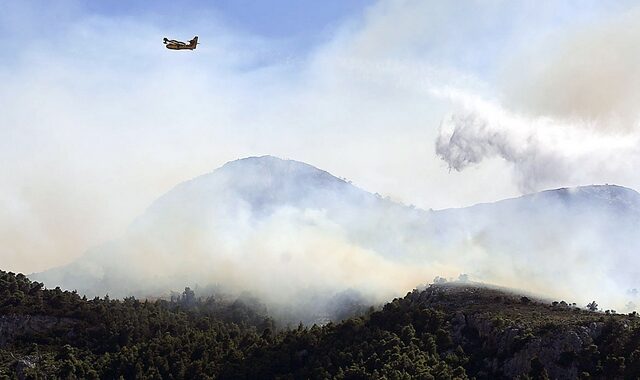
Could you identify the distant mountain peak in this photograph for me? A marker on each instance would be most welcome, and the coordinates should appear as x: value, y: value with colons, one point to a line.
x: 264, y: 160
x: 263, y: 183
x: 275, y: 167
x: 269, y: 173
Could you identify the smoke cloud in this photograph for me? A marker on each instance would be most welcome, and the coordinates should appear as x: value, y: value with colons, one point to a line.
x: 98, y: 120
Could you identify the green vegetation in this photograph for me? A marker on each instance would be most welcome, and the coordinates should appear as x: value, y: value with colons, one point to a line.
x: 442, y: 332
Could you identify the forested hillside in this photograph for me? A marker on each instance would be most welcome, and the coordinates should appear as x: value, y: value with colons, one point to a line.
x: 445, y: 331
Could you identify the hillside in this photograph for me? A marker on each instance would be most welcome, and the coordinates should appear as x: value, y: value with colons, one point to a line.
x: 445, y: 331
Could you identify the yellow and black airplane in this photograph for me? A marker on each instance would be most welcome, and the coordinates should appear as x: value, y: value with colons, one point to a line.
x: 179, y: 45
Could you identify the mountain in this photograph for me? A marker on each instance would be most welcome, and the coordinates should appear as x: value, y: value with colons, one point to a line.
x: 252, y: 223
x: 280, y: 228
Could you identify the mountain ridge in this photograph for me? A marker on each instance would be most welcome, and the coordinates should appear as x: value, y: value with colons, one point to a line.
x: 274, y: 159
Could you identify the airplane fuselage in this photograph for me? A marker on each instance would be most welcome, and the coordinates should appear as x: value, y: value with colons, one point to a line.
x: 178, y: 45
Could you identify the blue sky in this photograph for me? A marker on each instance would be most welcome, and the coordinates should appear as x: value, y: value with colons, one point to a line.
x: 304, y: 21
x: 482, y: 30
x: 277, y: 18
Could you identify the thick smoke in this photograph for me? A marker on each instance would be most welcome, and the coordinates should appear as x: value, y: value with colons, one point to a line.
x: 468, y: 139
x: 544, y: 152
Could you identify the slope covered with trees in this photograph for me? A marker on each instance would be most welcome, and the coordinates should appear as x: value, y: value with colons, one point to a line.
x: 442, y: 332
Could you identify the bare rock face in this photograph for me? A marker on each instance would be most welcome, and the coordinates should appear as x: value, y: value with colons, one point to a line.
x: 14, y: 326
x: 552, y: 349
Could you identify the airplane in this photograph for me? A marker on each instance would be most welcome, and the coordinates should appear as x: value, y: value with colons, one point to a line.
x: 179, y: 45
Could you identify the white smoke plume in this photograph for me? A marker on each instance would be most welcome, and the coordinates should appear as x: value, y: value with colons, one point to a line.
x: 544, y: 152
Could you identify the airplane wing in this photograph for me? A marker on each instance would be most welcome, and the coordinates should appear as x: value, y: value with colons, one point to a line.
x: 173, y: 42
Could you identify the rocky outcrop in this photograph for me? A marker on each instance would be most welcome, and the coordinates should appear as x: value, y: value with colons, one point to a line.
x: 515, y: 347
x: 484, y: 320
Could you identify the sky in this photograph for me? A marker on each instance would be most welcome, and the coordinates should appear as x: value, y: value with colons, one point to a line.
x: 433, y: 103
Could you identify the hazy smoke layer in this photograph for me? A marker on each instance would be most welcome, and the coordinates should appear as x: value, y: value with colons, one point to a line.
x: 591, y: 73
x: 293, y: 235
